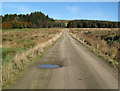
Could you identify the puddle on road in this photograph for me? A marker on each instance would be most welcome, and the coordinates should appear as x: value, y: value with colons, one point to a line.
x: 51, y: 66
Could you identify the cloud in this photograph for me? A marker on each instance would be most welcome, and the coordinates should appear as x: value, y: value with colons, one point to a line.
x: 73, y: 9
x: 22, y: 9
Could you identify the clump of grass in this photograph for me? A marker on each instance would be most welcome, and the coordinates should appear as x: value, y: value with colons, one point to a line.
x: 80, y: 79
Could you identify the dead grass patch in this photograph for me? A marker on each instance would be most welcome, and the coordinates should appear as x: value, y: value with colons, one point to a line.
x: 104, y: 41
x: 20, y: 49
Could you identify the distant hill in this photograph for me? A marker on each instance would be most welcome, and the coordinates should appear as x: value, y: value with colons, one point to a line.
x: 66, y: 21
x: 63, y: 21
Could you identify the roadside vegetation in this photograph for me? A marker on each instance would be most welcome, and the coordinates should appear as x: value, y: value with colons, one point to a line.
x: 103, y: 41
x: 21, y: 48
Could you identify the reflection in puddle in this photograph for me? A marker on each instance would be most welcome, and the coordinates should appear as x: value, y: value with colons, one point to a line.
x: 49, y: 66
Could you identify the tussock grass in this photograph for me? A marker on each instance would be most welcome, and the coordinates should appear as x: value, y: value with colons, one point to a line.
x: 104, y: 41
x: 20, y: 49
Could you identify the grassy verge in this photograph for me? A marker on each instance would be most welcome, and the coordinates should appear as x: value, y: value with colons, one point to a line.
x: 94, y: 41
x: 17, y: 57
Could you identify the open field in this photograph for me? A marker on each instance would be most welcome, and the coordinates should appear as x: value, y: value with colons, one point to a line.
x: 103, y: 41
x: 80, y: 69
x: 21, y: 47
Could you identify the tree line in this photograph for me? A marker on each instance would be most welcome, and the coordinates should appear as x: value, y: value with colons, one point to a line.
x: 33, y: 20
x: 92, y: 24
x: 40, y: 20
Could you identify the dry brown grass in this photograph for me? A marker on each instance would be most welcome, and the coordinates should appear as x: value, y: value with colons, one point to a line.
x: 104, y: 41
x: 20, y: 49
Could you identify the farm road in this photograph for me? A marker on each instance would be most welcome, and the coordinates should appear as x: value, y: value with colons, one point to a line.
x: 81, y: 69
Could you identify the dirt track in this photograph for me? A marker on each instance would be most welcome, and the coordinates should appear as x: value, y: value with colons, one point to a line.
x: 81, y: 69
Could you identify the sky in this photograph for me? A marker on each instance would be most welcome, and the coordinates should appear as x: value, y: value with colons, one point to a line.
x: 66, y: 10
x: 60, y: 0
